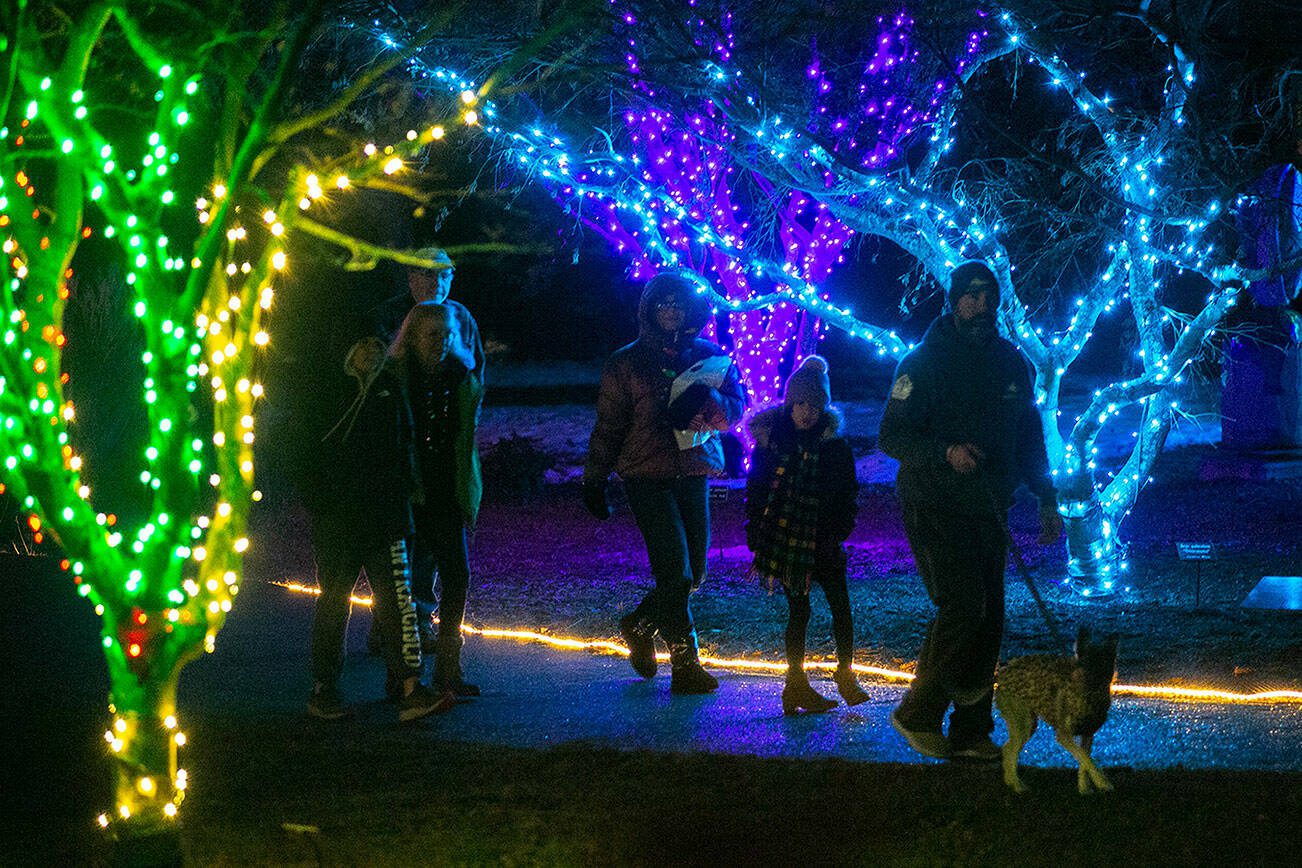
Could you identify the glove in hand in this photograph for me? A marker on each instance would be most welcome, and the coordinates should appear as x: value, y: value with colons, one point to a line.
x: 594, y: 500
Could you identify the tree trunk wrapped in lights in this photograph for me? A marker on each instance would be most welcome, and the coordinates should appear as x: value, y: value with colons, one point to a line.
x: 687, y: 162
x: 670, y: 200
x: 163, y: 585
x: 116, y: 123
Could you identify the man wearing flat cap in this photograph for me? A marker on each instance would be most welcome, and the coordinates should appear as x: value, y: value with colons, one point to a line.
x: 430, y: 283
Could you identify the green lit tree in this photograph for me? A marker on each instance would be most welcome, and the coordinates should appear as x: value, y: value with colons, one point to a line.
x: 181, y: 146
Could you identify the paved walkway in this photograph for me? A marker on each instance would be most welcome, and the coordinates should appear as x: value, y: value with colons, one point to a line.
x: 538, y: 697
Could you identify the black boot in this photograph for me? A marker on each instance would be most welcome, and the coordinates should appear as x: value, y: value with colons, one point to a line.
x: 447, y: 668
x: 640, y: 638
x: 688, y: 674
x: 848, y: 685
x: 797, y: 695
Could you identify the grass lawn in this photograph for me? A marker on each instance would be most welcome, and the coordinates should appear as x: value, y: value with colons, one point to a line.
x: 369, y: 799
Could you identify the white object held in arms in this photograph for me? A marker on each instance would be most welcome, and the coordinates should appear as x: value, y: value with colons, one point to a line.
x: 709, y: 371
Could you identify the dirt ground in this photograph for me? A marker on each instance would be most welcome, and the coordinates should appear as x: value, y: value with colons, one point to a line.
x: 540, y: 561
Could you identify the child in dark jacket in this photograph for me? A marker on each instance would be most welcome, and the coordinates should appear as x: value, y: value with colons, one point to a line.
x: 801, y: 500
x: 360, y: 507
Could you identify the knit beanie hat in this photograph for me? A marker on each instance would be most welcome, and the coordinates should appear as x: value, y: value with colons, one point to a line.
x: 961, y: 278
x: 809, y: 383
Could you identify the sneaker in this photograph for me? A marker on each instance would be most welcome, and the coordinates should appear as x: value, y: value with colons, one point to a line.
x: 977, y: 750
x: 930, y: 743
x: 422, y: 702
x: 325, y: 704
x: 457, y: 687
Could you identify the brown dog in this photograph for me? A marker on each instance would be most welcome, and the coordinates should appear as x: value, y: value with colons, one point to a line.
x: 1071, y: 694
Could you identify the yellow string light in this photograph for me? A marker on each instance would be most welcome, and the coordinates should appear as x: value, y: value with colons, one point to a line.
x: 747, y: 664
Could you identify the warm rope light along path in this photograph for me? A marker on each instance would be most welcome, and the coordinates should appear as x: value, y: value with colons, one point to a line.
x: 744, y: 664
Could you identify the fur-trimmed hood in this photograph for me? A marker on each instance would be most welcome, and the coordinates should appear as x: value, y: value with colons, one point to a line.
x: 764, y: 422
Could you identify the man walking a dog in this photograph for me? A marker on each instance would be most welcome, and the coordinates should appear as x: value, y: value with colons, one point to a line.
x: 962, y: 421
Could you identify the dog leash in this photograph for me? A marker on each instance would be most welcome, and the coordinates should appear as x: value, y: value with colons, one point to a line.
x: 1024, y: 572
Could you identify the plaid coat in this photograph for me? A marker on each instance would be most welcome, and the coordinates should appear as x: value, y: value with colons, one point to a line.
x: 775, y: 436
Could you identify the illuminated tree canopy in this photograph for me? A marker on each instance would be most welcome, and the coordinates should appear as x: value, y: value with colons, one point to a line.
x: 178, y: 148
x: 1088, y: 197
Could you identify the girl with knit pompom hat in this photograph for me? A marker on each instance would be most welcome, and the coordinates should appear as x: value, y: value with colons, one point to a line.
x: 801, y: 499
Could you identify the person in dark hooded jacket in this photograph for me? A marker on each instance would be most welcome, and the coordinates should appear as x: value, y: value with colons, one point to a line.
x: 962, y: 421
x: 801, y: 500
x: 360, y: 506
x: 664, y: 451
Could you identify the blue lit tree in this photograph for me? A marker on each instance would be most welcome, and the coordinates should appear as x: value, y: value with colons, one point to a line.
x: 1084, y: 205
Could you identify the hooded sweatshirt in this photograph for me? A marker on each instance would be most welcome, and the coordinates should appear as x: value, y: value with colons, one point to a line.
x: 633, y: 435
x: 951, y: 390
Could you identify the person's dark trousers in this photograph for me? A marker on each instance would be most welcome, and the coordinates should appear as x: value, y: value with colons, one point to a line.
x: 339, y: 560
x: 962, y: 560
x: 440, y: 552
x: 829, y: 573
x: 674, y: 517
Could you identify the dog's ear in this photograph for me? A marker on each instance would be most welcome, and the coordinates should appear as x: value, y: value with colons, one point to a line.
x: 1082, y: 639
x: 1111, y: 643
